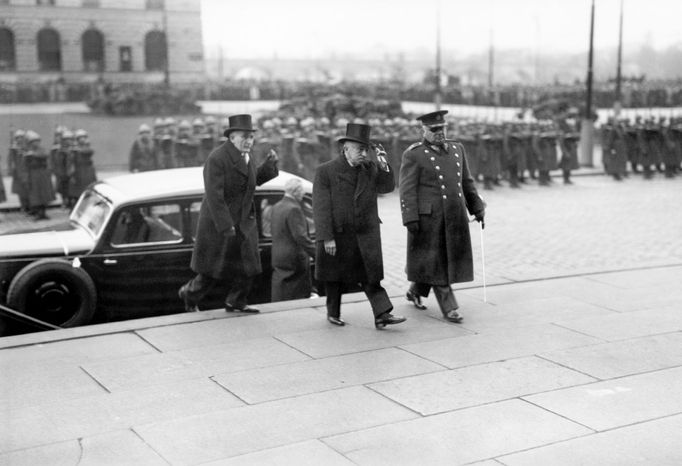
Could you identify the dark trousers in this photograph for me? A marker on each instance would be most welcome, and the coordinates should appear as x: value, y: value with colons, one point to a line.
x: 376, y: 294
x: 444, y: 295
x: 199, y: 286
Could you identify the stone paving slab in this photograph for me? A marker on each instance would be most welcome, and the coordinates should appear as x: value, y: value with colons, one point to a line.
x: 120, y: 448
x: 333, y: 341
x: 499, y: 345
x: 32, y: 385
x: 476, y: 385
x: 238, y: 431
x: 271, y: 383
x: 529, y: 312
x: 240, y: 328
x: 457, y: 437
x: 628, y: 325
x: 75, y: 352
x: 308, y: 453
x: 141, y: 371
x: 618, y: 402
x: 649, y: 443
x: 627, y: 357
x: 71, y: 419
x: 628, y: 279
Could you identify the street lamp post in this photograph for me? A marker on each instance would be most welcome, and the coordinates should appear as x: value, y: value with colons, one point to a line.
x: 587, y: 126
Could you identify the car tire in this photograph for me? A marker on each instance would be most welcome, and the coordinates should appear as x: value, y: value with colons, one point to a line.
x: 54, y: 291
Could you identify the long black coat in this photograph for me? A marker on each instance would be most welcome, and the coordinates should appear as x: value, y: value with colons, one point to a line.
x: 291, y: 249
x: 437, y: 190
x: 228, y: 202
x: 345, y: 209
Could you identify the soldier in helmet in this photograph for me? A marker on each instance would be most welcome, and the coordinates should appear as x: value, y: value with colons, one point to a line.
x: 40, y: 191
x: 82, y: 171
x: 61, y: 160
x: 186, y: 149
x: 142, y: 152
x: 18, y: 169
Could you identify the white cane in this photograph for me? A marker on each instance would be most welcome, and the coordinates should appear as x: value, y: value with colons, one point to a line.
x: 485, y: 298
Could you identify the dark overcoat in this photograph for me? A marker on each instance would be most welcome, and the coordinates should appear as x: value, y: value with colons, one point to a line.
x: 437, y: 190
x: 291, y: 251
x: 229, y: 185
x: 40, y: 190
x: 82, y: 171
x: 345, y: 209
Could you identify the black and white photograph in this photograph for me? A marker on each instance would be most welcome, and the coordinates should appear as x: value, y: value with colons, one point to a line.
x: 340, y: 232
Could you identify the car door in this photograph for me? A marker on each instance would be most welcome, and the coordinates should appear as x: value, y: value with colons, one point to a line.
x: 143, y: 259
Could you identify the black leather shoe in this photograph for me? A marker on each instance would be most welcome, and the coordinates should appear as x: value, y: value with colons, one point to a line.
x: 388, y: 319
x: 415, y: 299
x: 189, y: 306
x: 336, y: 321
x: 453, y: 316
x: 247, y: 308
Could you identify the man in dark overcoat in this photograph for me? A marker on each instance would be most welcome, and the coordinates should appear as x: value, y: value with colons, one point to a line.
x: 348, y: 238
x: 226, y: 247
x: 292, y: 247
x: 436, y: 192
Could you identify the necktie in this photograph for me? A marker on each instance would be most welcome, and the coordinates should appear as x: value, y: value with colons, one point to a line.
x: 246, y: 157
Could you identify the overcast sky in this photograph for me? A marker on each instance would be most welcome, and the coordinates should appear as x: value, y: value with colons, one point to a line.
x: 317, y: 28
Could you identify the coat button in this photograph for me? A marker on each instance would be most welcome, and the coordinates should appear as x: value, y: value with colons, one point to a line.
x: 426, y: 150
x: 440, y: 177
x: 442, y: 186
x: 459, y: 174
x: 458, y: 164
x: 433, y: 158
x: 460, y: 194
x: 444, y: 196
x: 437, y: 167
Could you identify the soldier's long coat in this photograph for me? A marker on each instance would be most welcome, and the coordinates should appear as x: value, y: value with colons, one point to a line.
x: 229, y: 185
x: 345, y: 209
x: 437, y: 190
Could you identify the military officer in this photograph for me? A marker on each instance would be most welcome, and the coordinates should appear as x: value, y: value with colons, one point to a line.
x: 436, y: 192
x: 40, y: 191
x: 142, y: 152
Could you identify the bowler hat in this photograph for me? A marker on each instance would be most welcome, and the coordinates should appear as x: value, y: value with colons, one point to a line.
x: 433, y: 118
x: 239, y: 123
x: 356, y: 132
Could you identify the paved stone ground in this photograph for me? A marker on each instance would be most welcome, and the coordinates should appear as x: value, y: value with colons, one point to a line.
x: 581, y: 369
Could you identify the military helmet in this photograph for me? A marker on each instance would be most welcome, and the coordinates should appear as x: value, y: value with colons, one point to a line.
x: 32, y: 136
x: 144, y: 128
x: 184, y: 124
x: 81, y: 133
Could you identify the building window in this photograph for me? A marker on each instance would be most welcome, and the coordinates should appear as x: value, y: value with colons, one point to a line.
x: 90, y: 3
x: 45, y: 2
x: 125, y: 56
x: 155, y: 51
x: 7, y: 57
x: 49, y: 50
x: 92, y: 43
x: 155, y: 4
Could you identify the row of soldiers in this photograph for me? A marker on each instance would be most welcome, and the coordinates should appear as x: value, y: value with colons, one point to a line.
x: 31, y: 168
x: 515, y: 151
x: 648, y: 145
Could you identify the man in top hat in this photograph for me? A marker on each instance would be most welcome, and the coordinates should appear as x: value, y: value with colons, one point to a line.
x: 348, y: 238
x: 436, y: 192
x: 226, y: 247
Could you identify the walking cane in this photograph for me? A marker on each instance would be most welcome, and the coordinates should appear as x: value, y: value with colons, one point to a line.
x: 482, y: 224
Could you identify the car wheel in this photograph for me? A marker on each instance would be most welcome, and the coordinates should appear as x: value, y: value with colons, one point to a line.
x: 55, y: 292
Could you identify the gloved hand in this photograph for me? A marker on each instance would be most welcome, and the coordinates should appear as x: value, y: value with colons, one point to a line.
x: 412, y: 227
x: 480, y: 217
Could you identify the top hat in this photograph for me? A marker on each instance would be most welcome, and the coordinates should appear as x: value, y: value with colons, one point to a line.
x: 239, y: 123
x: 356, y: 132
x: 433, y: 118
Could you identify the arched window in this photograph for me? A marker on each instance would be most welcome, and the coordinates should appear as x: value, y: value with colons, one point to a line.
x: 92, y: 46
x: 7, y: 57
x: 49, y: 50
x: 155, y: 51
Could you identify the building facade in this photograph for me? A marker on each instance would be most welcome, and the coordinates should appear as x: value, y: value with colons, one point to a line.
x: 124, y: 41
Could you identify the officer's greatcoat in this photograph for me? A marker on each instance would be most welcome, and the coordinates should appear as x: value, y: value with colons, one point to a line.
x: 437, y: 190
x: 228, y: 202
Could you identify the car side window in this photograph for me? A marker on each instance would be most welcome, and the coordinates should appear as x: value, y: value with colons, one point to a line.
x: 161, y: 223
x: 194, y: 209
x: 264, y: 203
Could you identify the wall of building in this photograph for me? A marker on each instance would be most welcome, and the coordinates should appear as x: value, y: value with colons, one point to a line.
x: 122, y: 22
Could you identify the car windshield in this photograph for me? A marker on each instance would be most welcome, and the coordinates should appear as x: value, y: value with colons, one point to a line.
x: 91, y: 212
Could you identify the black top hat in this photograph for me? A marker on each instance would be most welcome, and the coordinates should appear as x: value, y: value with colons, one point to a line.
x: 239, y: 123
x: 433, y: 118
x: 356, y: 132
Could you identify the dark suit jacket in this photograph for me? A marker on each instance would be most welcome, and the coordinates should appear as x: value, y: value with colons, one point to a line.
x: 345, y: 209
x: 228, y: 202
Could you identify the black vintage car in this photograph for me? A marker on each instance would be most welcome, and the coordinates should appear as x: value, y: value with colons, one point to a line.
x: 125, y: 251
